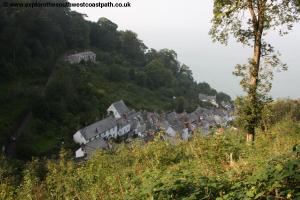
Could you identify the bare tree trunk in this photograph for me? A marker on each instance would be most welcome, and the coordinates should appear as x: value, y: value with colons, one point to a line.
x: 231, y: 161
x: 250, y: 137
x: 252, y: 93
x: 258, y: 25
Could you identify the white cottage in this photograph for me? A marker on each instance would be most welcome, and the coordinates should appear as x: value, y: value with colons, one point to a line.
x: 210, y: 99
x: 89, y: 149
x: 105, y: 128
x: 119, y: 123
x: 118, y: 109
x: 82, y: 56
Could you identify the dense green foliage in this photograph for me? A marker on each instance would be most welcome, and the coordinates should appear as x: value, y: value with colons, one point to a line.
x: 271, y: 114
x: 198, y: 169
x: 280, y: 110
x: 64, y: 97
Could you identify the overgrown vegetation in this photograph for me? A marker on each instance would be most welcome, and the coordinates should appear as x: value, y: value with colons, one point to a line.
x: 213, y: 167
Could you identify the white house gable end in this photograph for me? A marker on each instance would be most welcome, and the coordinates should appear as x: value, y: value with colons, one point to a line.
x: 78, y: 138
x: 113, y: 110
x: 79, y: 153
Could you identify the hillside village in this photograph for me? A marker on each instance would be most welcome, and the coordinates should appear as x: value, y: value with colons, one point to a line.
x: 125, y: 123
x: 89, y: 111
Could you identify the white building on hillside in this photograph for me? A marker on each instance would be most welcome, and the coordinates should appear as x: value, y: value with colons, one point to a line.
x: 118, y: 109
x: 210, y: 99
x: 105, y: 128
x: 82, y: 56
x: 120, y: 122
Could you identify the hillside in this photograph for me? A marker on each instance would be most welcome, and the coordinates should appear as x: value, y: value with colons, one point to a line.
x: 44, y: 100
x: 131, y: 122
x: 214, y: 167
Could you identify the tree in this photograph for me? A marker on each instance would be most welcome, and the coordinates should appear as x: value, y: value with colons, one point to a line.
x: 104, y: 34
x: 77, y: 33
x: 185, y: 71
x: 169, y: 58
x: 132, y: 47
x: 157, y: 75
x: 179, y: 104
x: 205, y: 88
x: 249, y: 21
x: 221, y: 96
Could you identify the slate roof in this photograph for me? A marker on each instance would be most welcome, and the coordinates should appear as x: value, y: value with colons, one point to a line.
x: 121, y: 107
x: 77, y: 57
x: 171, y: 118
x: 132, y: 114
x: 176, y: 121
x: 94, y: 145
x: 84, y: 53
x: 134, y: 118
x: 164, y: 124
x: 122, y: 122
x: 98, y: 127
x: 151, y: 119
x: 193, y: 117
x: 204, y: 97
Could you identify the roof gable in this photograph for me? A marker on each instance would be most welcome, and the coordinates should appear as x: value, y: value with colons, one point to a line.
x: 120, y: 107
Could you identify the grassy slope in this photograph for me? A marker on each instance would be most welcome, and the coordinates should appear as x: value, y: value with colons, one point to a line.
x: 196, y: 169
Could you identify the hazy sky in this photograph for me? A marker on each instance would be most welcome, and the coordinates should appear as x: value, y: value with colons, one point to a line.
x: 184, y: 26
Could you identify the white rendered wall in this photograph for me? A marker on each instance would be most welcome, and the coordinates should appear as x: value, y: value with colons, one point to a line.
x: 79, y: 153
x: 170, y: 131
x: 78, y: 138
x: 114, y: 111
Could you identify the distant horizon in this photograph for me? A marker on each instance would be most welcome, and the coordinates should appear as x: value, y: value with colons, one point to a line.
x: 184, y: 28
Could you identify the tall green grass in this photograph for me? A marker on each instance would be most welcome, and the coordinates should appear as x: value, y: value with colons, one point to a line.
x: 213, y: 167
